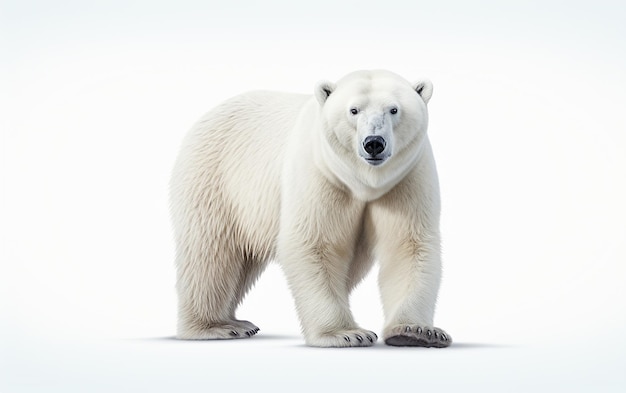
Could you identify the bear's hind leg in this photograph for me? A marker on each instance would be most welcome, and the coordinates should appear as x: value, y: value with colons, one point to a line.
x: 209, y: 290
x: 252, y: 269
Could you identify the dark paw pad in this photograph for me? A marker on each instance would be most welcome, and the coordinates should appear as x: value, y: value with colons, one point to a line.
x: 418, y: 336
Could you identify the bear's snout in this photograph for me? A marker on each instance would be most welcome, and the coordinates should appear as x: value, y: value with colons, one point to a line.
x: 374, y: 145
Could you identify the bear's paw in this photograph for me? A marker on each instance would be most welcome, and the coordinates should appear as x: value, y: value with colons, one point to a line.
x: 417, y: 336
x: 220, y: 331
x: 343, y: 339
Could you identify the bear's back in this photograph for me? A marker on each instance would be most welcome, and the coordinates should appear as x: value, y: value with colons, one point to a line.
x: 232, y: 160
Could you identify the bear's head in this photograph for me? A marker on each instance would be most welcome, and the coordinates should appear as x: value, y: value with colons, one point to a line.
x: 374, y: 126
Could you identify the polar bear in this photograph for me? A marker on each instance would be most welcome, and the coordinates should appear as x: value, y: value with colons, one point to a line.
x: 324, y: 184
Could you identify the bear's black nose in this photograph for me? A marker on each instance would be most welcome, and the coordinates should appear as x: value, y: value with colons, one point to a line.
x: 374, y: 145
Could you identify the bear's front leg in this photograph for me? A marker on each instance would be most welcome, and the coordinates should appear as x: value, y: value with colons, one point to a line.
x: 315, y: 248
x: 317, y: 277
x: 409, y: 280
x: 408, y: 248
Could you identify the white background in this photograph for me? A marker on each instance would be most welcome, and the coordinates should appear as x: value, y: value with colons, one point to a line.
x: 529, y: 132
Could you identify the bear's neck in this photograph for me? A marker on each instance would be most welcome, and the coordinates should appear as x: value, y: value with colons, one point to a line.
x: 363, y: 181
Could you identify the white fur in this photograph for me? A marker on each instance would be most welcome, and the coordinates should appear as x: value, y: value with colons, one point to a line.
x: 273, y: 175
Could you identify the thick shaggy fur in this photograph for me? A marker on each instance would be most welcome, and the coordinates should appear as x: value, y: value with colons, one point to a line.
x: 281, y: 176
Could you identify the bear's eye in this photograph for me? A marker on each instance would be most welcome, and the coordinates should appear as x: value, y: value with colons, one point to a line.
x: 354, y: 111
x: 393, y: 111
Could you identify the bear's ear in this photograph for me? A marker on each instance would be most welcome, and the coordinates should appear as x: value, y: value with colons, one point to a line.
x: 323, y: 89
x: 424, y: 88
